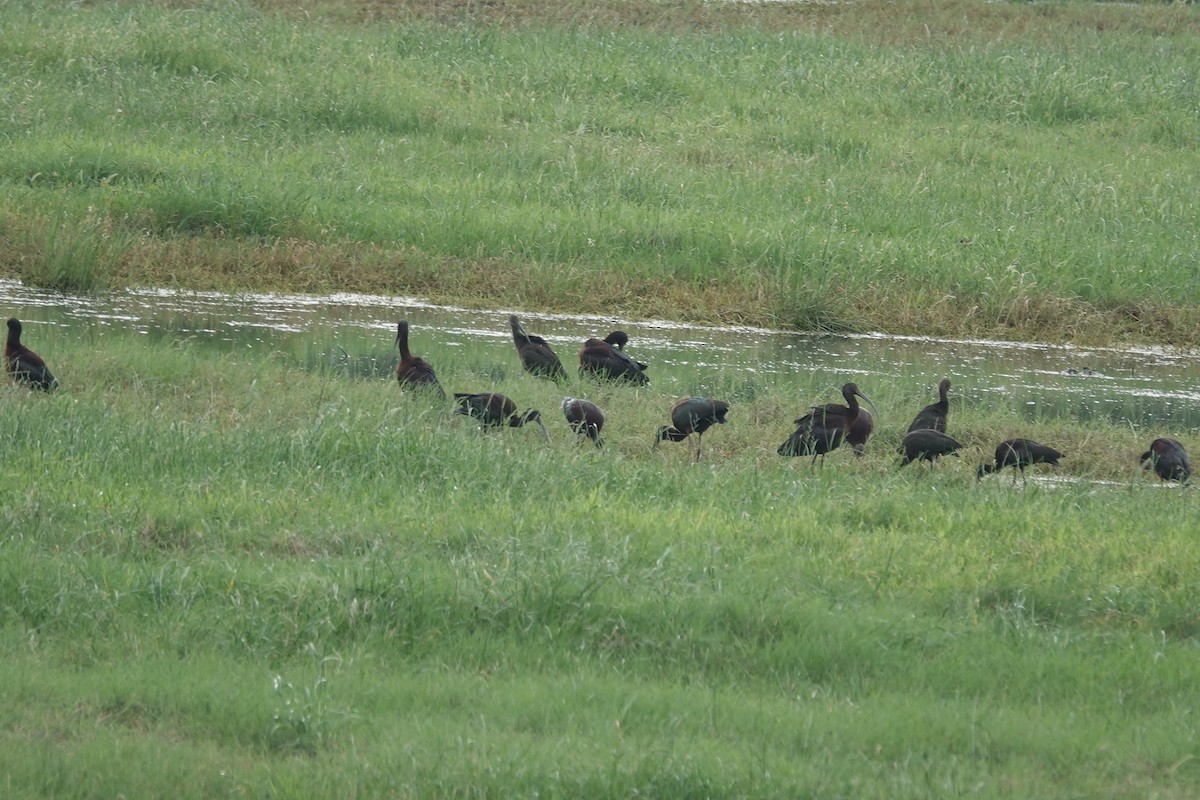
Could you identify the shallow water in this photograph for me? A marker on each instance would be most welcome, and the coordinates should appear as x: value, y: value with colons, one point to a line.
x: 1150, y: 387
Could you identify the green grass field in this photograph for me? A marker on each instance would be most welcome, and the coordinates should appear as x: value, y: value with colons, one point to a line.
x: 225, y: 575
x: 249, y: 574
x: 1014, y: 170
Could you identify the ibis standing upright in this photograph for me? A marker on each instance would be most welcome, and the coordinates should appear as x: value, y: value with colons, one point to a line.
x: 933, y: 416
x: 824, y: 427
x: 693, y: 415
x: 413, y: 370
x: 535, y: 353
x: 24, y: 365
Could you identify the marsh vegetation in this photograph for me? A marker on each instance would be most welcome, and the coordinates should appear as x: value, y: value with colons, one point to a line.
x: 1009, y: 170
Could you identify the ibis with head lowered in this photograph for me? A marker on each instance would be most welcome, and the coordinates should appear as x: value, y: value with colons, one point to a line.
x: 606, y: 358
x: 494, y: 410
x: 1168, y: 459
x: 1019, y: 454
x: 692, y: 415
x: 927, y: 444
x: 585, y: 418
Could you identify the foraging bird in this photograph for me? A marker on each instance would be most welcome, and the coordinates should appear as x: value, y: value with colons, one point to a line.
x: 860, y: 431
x: 1168, y: 459
x: 1019, y: 454
x: 413, y: 370
x: 933, y: 416
x: 496, y: 410
x: 605, y: 359
x: 584, y: 417
x: 693, y: 415
x: 824, y: 427
x: 927, y: 444
x: 24, y: 365
x: 536, y: 356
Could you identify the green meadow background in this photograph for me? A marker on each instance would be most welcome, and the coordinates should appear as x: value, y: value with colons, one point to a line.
x: 231, y: 574
x: 1004, y: 169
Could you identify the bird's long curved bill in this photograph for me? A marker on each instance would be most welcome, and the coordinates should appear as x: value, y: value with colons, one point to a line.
x: 545, y: 432
x: 874, y: 410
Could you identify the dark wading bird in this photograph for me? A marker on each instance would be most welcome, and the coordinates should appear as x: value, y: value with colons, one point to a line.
x: 496, y: 410
x: 1019, y: 454
x: 536, y: 356
x: 1168, y: 459
x: 584, y: 417
x: 24, y: 365
x: 933, y: 416
x: 605, y: 358
x: 824, y: 427
x: 928, y: 445
x: 413, y: 370
x: 693, y: 415
x: 619, y: 339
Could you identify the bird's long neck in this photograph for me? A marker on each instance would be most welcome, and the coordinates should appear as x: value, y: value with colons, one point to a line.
x: 943, y: 403
x: 402, y: 340
x: 519, y: 334
x: 852, y: 404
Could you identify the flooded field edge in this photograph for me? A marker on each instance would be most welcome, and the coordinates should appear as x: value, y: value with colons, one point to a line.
x: 1135, y: 385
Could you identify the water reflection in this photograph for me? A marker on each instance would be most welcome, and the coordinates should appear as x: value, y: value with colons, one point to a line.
x: 1143, y: 386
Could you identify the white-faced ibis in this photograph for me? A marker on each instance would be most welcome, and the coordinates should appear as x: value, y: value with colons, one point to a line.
x: 496, y: 410
x: 536, y: 356
x: 824, y: 427
x: 1168, y: 459
x: 928, y: 445
x: 24, y: 365
x: 693, y: 415
x: 584, y: 417
x: 1019, y: 454
x: 860, y: 431
x: 413, y: 370
x: 605, y: 359
x: 933, y: 416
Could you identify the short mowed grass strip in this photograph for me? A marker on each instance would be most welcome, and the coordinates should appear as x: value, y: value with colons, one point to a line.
x: 993, y: 169
x: 228, y: 575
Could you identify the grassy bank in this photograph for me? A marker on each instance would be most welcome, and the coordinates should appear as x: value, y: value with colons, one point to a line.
x: 225, y: 575
x: 1019, y: 171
